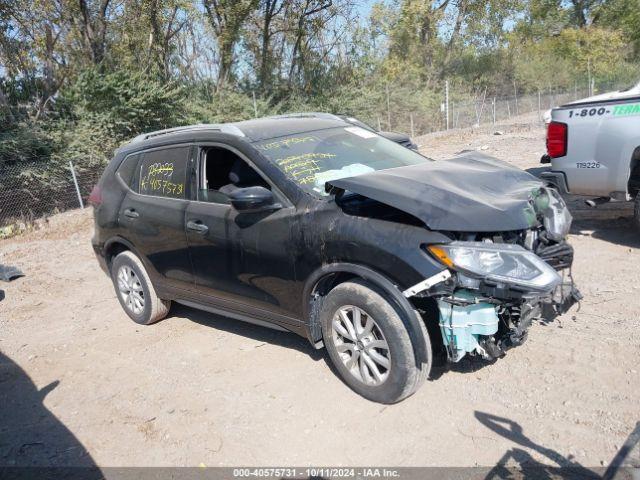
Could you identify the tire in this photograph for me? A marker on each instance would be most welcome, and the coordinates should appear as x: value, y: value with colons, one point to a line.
x: 142, y: 304
x: 636, y: 212
x: 399, y: 374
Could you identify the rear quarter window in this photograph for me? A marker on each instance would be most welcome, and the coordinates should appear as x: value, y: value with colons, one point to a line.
x: 127, y: 169
x: 163, y: 173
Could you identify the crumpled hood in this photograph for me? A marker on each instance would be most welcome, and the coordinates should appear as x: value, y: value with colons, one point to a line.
x: 395, y: 137
x: 471, y: 192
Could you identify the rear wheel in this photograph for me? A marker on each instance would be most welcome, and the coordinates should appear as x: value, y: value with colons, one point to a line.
x: 369, y: 345
x: 135, y: 290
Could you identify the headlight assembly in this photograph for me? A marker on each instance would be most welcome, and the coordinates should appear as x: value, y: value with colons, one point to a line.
x: 499, y: 262
x: 557, y: 219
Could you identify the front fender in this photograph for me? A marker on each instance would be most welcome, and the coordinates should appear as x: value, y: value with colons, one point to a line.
x: 393, y: 292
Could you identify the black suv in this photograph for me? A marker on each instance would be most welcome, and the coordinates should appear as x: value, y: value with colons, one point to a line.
x: 323, y: 228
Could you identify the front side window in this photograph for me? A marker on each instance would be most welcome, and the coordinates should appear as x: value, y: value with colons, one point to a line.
x: 163, y: 173
x: 223, y: 172
x: 313, y: 158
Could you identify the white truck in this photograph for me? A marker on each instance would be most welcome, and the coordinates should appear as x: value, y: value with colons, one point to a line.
x: 593, y: 146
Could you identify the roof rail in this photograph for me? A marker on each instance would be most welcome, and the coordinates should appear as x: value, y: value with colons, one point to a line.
x: 221, y: 127
x: 325, y: 115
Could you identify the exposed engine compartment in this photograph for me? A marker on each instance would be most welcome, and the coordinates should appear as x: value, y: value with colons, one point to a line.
x: 485, y: 319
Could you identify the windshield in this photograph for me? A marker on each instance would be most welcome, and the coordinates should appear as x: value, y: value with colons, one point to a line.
x: 313, y: 158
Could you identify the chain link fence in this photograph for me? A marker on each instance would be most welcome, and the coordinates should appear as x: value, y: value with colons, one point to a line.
x: 36, y: 190
x: 481, y: 108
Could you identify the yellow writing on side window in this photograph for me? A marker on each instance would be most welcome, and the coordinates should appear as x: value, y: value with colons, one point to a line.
x: 157, y: 180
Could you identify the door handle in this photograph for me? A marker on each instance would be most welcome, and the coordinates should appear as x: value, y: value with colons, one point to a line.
x: 131, y: 213
x: 197, y: 226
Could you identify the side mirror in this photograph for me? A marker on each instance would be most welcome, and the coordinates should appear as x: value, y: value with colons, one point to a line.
x: 253, y: 199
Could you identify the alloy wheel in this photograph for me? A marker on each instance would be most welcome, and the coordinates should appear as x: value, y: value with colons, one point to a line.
x: 130, y: 289
x: 361, y: 345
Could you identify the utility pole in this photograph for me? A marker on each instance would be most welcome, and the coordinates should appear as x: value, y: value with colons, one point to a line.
x: 446, y: 100
x: 589, y: 75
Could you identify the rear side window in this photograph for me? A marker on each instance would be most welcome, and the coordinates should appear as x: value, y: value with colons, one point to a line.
x: 163, y: 173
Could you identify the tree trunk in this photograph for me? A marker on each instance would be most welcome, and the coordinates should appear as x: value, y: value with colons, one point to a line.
x: 462, y: 11
x: 265, y: 57
x: 94, y: 31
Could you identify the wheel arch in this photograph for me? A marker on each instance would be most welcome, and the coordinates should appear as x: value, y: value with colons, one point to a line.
x: 633, y: 185
x: 328, y: 276
x: 114, y: 246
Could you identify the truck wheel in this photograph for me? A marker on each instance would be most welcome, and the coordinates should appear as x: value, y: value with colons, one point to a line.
x: 636, y: 212
x: 135, y: 291
x: 369, y: 345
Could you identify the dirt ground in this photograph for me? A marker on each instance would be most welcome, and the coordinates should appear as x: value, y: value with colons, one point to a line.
x: 80, y: 383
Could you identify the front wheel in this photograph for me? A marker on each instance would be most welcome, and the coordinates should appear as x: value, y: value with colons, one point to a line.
x: 369, y: 345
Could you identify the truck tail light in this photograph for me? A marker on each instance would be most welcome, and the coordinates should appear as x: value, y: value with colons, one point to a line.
x: 557, y: 139
x: 96, y: 196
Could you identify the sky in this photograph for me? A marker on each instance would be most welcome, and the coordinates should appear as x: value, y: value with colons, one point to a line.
x: 364, y: 7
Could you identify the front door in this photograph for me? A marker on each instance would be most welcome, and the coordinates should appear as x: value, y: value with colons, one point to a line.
x: 241, y: 258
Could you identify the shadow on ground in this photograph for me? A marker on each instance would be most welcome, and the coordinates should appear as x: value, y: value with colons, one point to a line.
x: 31, y: 436
x: 249, y: 330
x: 560, y: 467
x: 610, y: 223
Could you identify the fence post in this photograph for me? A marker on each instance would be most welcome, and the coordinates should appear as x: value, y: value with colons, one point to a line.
x: 539, y: 114
x: 413, y: 133
x: 515, y: 96
x: 388, y: 109
x: 75, y: 182
x: 484, y: 96
x: 255, y: 105
x: 494, y: 110
x: 453, y: 114
x: 379, y: 125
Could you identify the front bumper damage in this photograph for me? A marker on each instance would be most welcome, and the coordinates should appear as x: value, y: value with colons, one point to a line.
x: 487, y: 321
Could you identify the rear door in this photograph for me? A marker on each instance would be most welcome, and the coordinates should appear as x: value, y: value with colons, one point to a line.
x: 153, y: 215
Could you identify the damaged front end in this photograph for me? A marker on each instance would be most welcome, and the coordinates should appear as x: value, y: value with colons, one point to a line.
x: 508, y: 262
x: 499, y: 283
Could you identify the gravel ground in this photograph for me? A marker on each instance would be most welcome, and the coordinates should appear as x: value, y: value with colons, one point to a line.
x: 82, y: 384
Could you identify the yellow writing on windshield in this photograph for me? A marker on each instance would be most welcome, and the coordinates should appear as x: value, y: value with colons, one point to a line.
x: 302, y: 168
x: 287, y: 142
x: 302, y: 157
